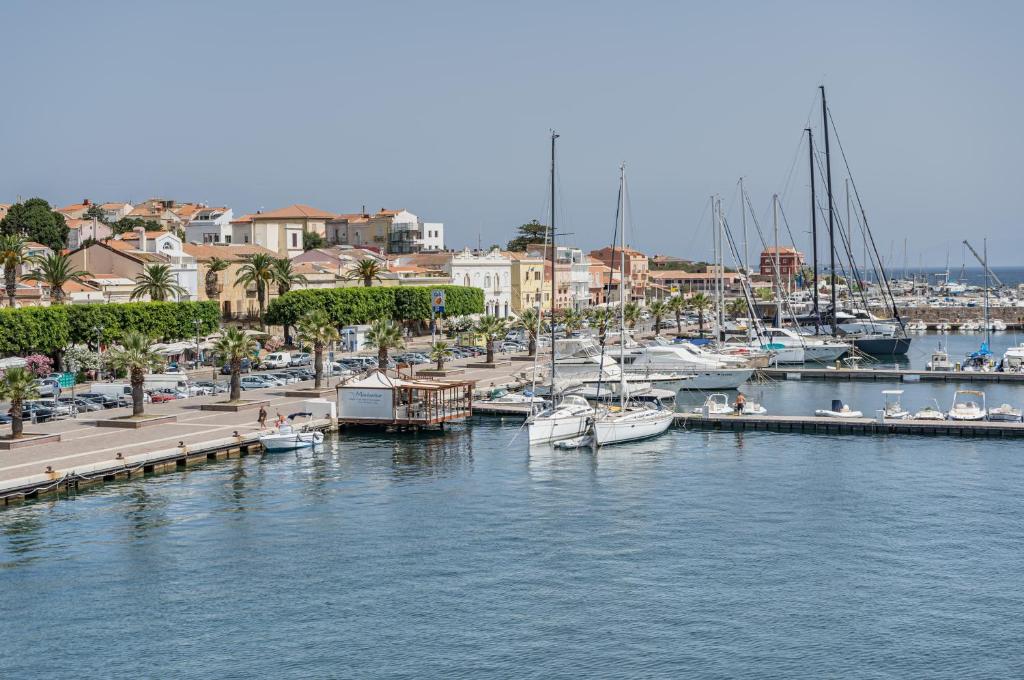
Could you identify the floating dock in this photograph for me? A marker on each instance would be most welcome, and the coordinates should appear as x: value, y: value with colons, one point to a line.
x: 889, y: 375
x: 851, y: 426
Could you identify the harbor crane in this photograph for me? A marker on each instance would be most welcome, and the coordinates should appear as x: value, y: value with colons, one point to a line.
x: 984, y: 263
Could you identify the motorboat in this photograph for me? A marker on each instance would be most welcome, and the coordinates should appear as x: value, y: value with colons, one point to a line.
x: 503, y: 396
x: 970, y: 326
x: 965, y: 407
x: 940, y: 361
x: 996, y: 325
x: 892, y: 409
x: 617, y: 425
x: 838, y: 410
x: 1013, y: 359
x: 930, y: 413
x: 288, y: 437
x: 1005, y: 414
x: 638, y: 392
x: 706, y: 371
x: 943, y: 326
x: 917, y: 326
x: 569, y: 418
x: 718, y: 405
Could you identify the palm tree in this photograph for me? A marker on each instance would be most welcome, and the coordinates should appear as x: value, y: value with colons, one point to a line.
x: 316, y: 327
x: 677, y: 305
x: 440, y: 352
x: 258, y: 271
x: 55, y: 271
x: 737, y: 308
x: 18, y: 386
x: 530, y: 321
x: 136, y: 358
x: 572, y: 320
x: 632, y: 314
x: 658, y: 309
x: 367, y: 270
x: 285, y: 277
x: 385, y: 335
x: 213, y: 267
x: 13, y: 255
x: 700, y: 303
x: 233, y: 346
x: 157, y: 281
x: 493, y: 329
x: 600, y: 317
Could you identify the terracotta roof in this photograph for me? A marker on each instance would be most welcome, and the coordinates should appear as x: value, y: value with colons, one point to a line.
x: 296, y: 211
x: 76, y: 287
x: 243, y: 218
x: 627, y: 250
x: 388, y: 213
x: 232, y: 252
x: 695, y: 276
x: 424, y: 259
x: 134, y: 235
x: 113, y: 206
x: 783, y: 250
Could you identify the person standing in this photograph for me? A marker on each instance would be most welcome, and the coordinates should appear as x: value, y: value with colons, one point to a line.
x: 262, y: 418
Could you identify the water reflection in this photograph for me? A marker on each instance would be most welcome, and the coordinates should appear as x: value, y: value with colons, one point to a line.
x: 22, y: 529
x: 431, y: 453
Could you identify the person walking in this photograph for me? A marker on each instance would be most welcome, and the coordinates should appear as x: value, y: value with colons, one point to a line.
x: 262, y: 418
x: 741, y: 401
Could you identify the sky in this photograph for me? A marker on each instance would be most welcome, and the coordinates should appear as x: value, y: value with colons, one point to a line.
x: 444, y: 108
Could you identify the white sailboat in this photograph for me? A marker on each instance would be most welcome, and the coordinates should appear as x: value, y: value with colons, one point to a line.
x: 628, y: 422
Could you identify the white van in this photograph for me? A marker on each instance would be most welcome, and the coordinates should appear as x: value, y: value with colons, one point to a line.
x: 166, y: 381
x: 277, y: 360
x: 120, y: 391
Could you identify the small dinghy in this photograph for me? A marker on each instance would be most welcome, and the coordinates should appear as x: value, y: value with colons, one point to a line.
x: 288, y: 437
x: 838, y: 410
x: 1005, y: 414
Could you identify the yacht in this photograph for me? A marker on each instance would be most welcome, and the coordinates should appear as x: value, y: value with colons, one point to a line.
x: 815, y: 349
x: 706, y: 371
x: 1013, y: 359
x: 940, y: 361
x: 965, y: 407
x: 570, y: 418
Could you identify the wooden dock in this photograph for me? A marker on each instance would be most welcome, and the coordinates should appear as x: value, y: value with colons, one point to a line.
x: 889, y: 375
x: 850, y: 426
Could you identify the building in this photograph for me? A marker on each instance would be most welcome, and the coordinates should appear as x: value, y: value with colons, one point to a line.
x: 603, y: 285
x: 280, y: 230
x: 668, y: 262
x: 394, y: 231
x: 159, y: 210
x: 80, y: 231
x: 210, y: 225
x: 672, y: 282
x: 126, y: 258
x: 112, y: 212
x: 790, y: 262
x: 490, y: 271
x: 527, y: 281
x: 636, y: 269
x: 236, y: 301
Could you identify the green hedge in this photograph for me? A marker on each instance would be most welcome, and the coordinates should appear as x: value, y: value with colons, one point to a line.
x: 51, y: 329
x: 346, y: 306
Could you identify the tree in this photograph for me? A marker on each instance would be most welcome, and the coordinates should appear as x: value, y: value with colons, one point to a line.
x: 17, y: 387
x: 385, y: 335
x: 440, y: 352
x: 737, y: 308
x: 700, y: 303
x: 572, y: 320
x: 258, y: 271
x: 632, y: 314
x: 600, y: 317
x: 13, y: 254
x: 492, y: 329
x: 135, y: 357
x: 126, y: 224
x: 311, y: 240
x: 658, y: 309
x: 285, y: 277
x: 233, y: 346
x: 677, y: 305
x: 212, y: 281
x: 366, y: 270
x: 36, y: 221
x: 54, y: 271
x: 94, y: 212
x: 530, y: 321
x: 157, y: 281
x: 526, y: 235
x: 316, y: 327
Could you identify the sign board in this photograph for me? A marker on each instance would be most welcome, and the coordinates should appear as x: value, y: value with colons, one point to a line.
x: 437, y: 301
x: 66, y: 380
x: 369, y: 404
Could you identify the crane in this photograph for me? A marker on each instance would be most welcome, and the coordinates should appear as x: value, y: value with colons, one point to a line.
x: 984, y: 263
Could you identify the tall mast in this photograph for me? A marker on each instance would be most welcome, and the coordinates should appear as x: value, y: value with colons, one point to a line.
x: 814, y: 232
x: 714, y: 247
x: 775, y: 262
x: 988, y: 330
x: 622, y: 284
x: 831, y: 224
x: 554, y: 136
x: 743, y: 214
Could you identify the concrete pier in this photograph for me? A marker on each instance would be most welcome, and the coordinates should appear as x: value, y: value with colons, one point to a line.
x: 889, y: 375
x: 850, y: 426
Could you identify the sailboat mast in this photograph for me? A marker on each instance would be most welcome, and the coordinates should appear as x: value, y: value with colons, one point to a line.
x: 622, y: 284
x: 775, y: 264
x: 831, y: 224
x: 814, y: 232
x: 554, y: 136
x: 743, y: 215
x: 988, y: 329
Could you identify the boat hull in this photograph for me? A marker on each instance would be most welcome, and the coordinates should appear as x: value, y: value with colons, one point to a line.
x: 547, y: 430
x: 824, y: 353
x: 882, y: 346
x: 291, y: 441
x: 616, y: 429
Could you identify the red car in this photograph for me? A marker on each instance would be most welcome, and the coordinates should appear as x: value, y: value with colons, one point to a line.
x: 161, y: 397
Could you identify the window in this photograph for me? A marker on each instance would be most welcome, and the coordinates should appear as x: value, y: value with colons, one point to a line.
x: 246, y: 238
x: 295, y: 240
x: 487, y: 281
x: 227, y: 239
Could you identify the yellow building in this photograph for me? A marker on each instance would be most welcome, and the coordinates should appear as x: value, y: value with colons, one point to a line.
x: 236, y: 302
x: 528, y: 282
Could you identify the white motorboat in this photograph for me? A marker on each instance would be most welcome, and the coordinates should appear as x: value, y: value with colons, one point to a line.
x: 1005, y: 414
x: 917, y: 326
x: 289, y: 438
x: 569, y: 418
x: 615, y: 426
x: 965, y: 407
x: 1013, y: 359
x: 503, y: 396
x: 838, y: 410
x: 930, y: 413
x: 706, y: 371
x: 940, y: 361
x: 996, y: 325
x: 718, y: 405
x: 943, y: 326
x: 970, y: 327
x: 638, y: 392
x: 892, y: 409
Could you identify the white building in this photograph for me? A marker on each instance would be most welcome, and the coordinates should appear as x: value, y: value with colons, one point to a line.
x: 183, y: 266
x: 409, y: 234
x: 491, y: 271
x: 210, y: 225
x: 579, y: 275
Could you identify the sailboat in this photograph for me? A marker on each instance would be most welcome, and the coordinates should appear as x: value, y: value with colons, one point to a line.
x: 628, y: 422
x: 570, y: 416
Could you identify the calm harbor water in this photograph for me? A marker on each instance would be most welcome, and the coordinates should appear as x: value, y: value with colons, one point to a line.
x: 712, y: 555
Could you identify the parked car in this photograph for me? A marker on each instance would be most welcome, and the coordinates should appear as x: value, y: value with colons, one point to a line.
x: 48, y: 387
x: 5, y: 419
x: 508, y: 346
x: 277, y: 360
x: 285, y: 378
x: 35, y: 412
x: 301, y: 359
x: 197, y: 390
x: 254, y: 382
x: 105, y: 400
x: 212, y: 387
x: 174, y: 369
x: 81, y: 405
x: 161, y: 397
x: 246, y: 367
x: 56, y: 408
x: 303, y: 373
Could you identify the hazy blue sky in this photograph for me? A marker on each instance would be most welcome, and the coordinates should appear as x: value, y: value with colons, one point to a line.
x: 444, y: 108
